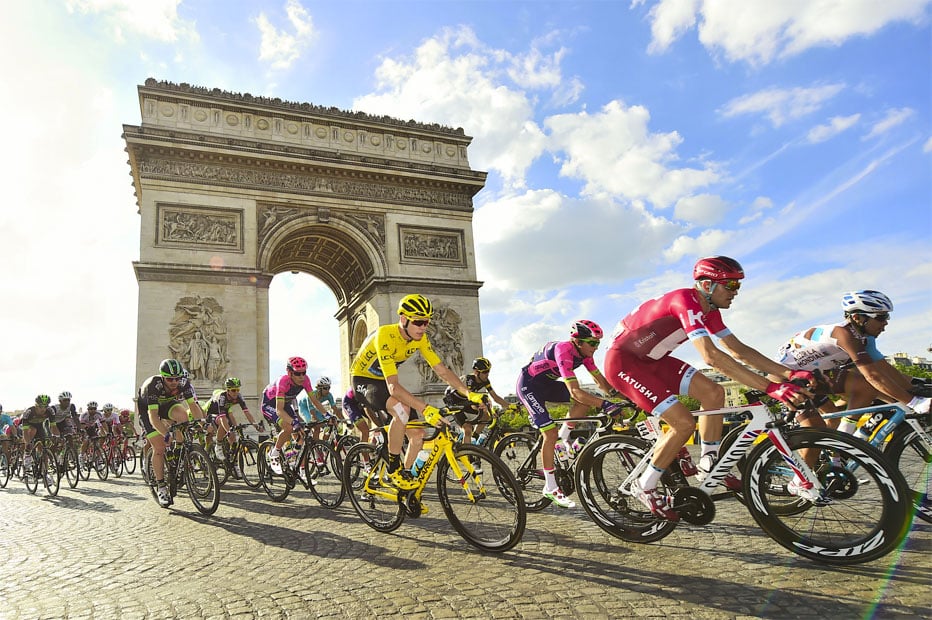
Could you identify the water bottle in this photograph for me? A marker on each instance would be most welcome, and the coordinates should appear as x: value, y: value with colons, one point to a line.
x: 419, y: 462
x: 560, y: 451
x: 578, y: 444
x: 291, y: 453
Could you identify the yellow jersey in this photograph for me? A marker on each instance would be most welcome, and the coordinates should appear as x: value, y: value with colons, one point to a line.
x: 385, y: 349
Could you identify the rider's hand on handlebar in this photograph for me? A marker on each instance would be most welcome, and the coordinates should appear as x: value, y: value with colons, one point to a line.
x: 802, y: 375
x: 787, y: 393
x: 476, y: 397
x: 432, y: 415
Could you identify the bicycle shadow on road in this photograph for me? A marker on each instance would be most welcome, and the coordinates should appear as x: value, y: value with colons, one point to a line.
x: 320, y: 543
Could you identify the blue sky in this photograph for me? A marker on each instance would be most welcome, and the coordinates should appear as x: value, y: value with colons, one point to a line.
x: 622, y: 140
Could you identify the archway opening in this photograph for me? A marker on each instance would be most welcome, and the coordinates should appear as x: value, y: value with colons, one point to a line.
x: 302, y: 322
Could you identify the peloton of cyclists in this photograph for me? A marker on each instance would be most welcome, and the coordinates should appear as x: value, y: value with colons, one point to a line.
x: 639, y: 364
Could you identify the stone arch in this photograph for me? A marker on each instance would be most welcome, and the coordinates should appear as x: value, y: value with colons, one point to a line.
x: 232, y: 189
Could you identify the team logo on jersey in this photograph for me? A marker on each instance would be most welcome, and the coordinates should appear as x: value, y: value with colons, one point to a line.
x: 694, y: 319
x: 637, y: 385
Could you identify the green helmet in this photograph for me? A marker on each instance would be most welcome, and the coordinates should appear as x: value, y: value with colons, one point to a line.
x: 171, y: 368
x: 232, y: 382
x: 43, y: 399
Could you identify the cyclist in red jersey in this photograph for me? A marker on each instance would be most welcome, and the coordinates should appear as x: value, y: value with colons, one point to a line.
x: 639, y: 365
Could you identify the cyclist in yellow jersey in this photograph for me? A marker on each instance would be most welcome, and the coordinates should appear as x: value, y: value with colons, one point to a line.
x: 376, y: 384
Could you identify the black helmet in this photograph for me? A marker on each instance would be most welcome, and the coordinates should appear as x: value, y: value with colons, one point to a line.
x: 171, y: 368
x: 482, y: 364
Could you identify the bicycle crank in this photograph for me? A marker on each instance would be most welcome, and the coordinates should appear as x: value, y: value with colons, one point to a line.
x: 694, y: 506
x: 840, y: 483
x: 410, y: 503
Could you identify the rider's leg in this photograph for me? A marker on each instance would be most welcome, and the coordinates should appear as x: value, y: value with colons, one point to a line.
x: 710, y: 395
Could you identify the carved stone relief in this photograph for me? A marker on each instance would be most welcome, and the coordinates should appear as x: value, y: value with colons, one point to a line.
x: 432, y: 246
x: 198, y: 338
x: 186, y: 226
x: 372, y: 225
x: 297, y: 183
x: 446, y: 338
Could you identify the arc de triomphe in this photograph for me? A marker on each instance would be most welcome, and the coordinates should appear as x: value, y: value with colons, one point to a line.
x: 233, y: 189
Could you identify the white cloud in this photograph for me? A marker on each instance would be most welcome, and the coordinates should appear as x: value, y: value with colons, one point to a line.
x: 153, y: 19
x: 279, y: 48
x: 705, y: 209
x: 708, y: 242
x: 893, y: 118
x: 759, y: 31
x: 756, y: 211
x: 614, y: 151
x: 927, y: 147
x: 454, y: 80
x: 835, y: 125
x: 782, y: 104
x: 543, y: 240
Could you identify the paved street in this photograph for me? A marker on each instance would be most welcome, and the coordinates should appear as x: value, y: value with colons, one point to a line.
x: 106, y: 550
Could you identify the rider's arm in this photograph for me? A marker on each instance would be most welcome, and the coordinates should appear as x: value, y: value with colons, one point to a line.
x: 602, y: 382
x: 878, y: 372
x: 580, y: 395
x: 498, y: 399
x: 195, y: 408
x: 724, y: 363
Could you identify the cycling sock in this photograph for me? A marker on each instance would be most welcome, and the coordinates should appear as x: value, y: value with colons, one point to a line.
x: 550, y: 481
x: 847, y: 425
x: 564, y: 432
x: 394, y: 462
x: 709, y: 446
x: 650, y: 478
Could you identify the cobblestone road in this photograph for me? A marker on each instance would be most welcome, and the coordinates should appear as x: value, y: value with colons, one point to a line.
x: 106, y: 550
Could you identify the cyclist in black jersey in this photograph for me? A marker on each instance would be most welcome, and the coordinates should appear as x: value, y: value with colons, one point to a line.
x: 218, y: 411
x: 477, y: 381
x: 33, y: 424
x: 162, y: 399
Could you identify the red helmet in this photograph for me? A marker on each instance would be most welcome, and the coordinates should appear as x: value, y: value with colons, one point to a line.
x: 297, y: 364
x: 717, y: 268
x: 585, y: 329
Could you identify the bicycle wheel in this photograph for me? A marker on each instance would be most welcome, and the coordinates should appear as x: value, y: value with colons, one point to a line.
x: 4, y: 469
x: 276, y: 485
x: 99, y: 461
x: 70, y: 465
x: 373, y: 497
x: 864, y: 512
x: 201, y: 479
x: 224, y: 471
x: 129, y: 459
x: 48, y: 468
x: 520, y: 452
x: 485, y: 505
x: 31, y: 471
x: 343, y: 445
x: 909, y: 453
x: 601, y: 470
x: 150, y: 480
x: 115, y: 460
x: 322, y: 472
x: 248, y: 457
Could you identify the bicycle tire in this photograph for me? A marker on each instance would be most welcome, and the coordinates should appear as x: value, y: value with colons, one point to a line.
x: 31, y: 473
x: 343, y: 445
x: 4, y: 469
x: 49, y: 468
x: 373, y: 497
x: 129, y: 459
x: 200, y: 478
x: 322, y: 473
x: 488, y: 512
x: 861, y: 522
x: 908, y: 453
x: 248, y: 457
x: 601, y: 468
x: 220, y: 466
x: 276, y: 485
x: 520, y: 452
x: 115, y: 459
x: 99, y: 462
x: 70, y: 466
x: 150, y: 480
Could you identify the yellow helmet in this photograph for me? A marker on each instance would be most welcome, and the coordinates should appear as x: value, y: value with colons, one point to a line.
x: 415, y: 307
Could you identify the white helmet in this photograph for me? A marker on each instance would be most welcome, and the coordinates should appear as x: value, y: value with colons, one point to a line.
x: 66, y: 395
x: 323, y: 382
x: 108, y: 407
x: 866, y: 302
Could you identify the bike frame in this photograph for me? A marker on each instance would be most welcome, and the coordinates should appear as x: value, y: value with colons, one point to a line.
x: 903, y: 415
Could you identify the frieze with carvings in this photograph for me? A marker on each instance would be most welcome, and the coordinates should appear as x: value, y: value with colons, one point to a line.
x: 432, y: 246
x: 197, y: 337
x: 208, y: 173
x: 446, y: 337
x: 180, y: 225
x: 371, y: 225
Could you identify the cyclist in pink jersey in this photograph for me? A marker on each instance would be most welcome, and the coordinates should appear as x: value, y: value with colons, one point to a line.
x: 278, y: 405
x: 639, y: 365
x: 549, y: 377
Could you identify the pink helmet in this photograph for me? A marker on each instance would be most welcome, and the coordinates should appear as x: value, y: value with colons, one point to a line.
x: 717, y: 268
x: 586, y: 329
x: 297, y: 364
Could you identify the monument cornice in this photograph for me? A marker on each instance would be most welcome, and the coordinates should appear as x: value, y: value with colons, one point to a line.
x: 186, y: 93
x: 179, y: 272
